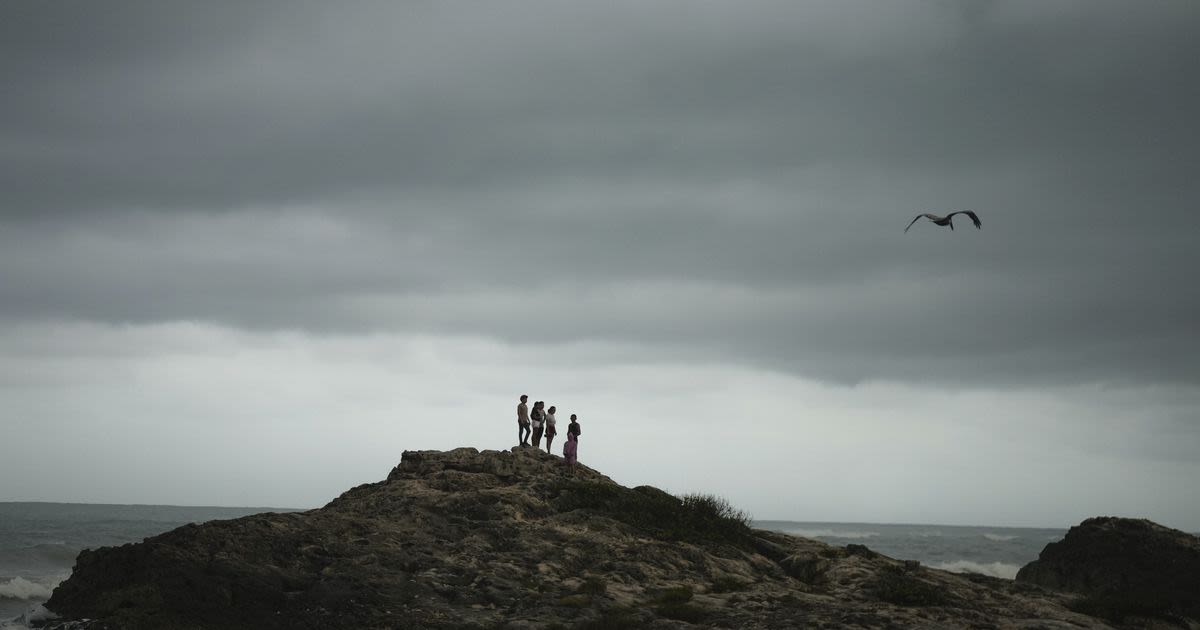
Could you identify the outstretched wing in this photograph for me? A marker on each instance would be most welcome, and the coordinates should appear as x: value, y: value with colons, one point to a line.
x: 974, y: 217
x: 931, y: 217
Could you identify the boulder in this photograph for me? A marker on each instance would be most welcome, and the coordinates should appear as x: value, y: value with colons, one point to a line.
x: 1124, y: 567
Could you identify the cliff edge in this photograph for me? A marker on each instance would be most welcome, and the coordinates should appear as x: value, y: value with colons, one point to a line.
x: 500, y: 539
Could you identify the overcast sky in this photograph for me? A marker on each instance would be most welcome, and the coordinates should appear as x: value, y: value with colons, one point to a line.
x: 250, y: 254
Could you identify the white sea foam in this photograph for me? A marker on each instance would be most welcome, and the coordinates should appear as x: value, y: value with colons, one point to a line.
x: 37, y: 613
x: 28, y: 613
x: 831, y: 533
x: 994, y: 569
x: 999, y: 537
x: 21, y: 588
x: 34, y: 615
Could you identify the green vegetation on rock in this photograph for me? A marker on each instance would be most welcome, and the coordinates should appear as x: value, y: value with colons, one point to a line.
x: 897, y: 586
x: 697, y: 518
x: 727, y: 584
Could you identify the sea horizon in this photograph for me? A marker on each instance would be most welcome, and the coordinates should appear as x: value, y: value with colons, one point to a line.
x: 277, y: 508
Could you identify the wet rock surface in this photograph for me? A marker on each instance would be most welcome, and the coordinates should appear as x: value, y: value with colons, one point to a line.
x: 509, y: 539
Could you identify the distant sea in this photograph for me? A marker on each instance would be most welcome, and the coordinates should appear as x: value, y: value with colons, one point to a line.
x: 995, y: 551
x: 39, y: 542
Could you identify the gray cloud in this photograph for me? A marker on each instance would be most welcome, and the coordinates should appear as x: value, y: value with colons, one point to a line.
x: 705, y: 180
x: 254, y: 235
x: 162, y: 108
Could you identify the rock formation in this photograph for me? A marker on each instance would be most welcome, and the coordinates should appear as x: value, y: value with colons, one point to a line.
x: 1126, y: 568
x: 468, y: 539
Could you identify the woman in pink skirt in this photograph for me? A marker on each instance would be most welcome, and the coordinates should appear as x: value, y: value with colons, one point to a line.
x: 571, y: 448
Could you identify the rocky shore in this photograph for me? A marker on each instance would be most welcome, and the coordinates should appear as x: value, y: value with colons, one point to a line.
x: 500, y: 539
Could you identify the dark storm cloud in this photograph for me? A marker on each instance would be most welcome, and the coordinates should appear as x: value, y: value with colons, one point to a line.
x: 718, y: 180
x: 164, y: 108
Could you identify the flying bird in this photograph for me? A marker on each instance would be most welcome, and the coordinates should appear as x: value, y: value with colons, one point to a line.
x: 946, y: 220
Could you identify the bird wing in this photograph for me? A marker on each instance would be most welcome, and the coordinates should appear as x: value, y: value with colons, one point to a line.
x: 931, y: 217
x: 974, y: 217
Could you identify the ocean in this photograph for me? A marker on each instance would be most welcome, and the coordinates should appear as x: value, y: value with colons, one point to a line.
x: 995, y: 551
x: 39, y: 542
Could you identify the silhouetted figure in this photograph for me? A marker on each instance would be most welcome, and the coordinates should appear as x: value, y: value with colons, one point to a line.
x: 536, y: 418
x: 523, y: 421
x: 551, y: 430
x: 571, y: 448
x: 947, y: 220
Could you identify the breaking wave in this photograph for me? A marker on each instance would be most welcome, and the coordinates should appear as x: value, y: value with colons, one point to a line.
x: 21, y: 588
x: 999, y: 537
x: 35, y: 616
x: 994, y: 569
x: 831, y: 533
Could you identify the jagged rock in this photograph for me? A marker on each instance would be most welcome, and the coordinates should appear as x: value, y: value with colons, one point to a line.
x: 859, y: 550
x: 806, y: 567
x: 1125, y: 567
x: 469, y: 539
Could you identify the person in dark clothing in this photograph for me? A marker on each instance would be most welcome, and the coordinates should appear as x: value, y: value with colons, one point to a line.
x: 536, y: 418
x: 523, y: 421
x: 571, y: 448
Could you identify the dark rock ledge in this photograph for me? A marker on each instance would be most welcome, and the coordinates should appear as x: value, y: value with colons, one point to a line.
x: 498, y: 539
x: 1128, y: 570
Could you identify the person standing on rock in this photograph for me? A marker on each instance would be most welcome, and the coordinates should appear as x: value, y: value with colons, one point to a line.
x: 523, y: 421
x: 550, y: 430
x: 571, y: 448
x: 537, y: 417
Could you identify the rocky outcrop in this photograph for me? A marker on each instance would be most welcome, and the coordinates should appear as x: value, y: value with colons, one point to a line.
x: 468, y: 539
x: 1126, y: 568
